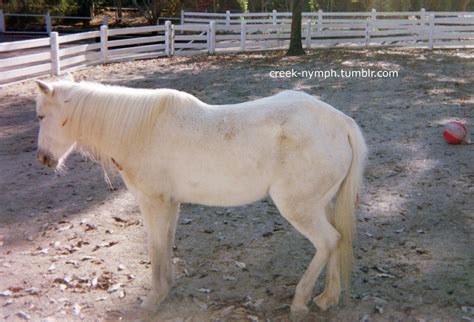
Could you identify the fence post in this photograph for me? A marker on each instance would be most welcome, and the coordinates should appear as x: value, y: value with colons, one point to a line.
x: 308, y: 35
x: 103, y: 43
x: 48, y: 23
x: 168, y: 38
x: 55, y: 66
x: 422, y: 24
x: 274, y: 17
x: 2, y: 22
x: 211, y: 45
x: 105, y: 21
x: 243, y: 34
x: 320, y: 20
x: 227, y: 17
x: 182, y: 17
x: 373, y: 14
x: 172, y: 39
x: 423, y: 14
x: 373, y: 17
x: 431, y: 31
x: 367, y: 34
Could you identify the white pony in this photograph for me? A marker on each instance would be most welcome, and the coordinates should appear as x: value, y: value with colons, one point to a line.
x: 170, y: 148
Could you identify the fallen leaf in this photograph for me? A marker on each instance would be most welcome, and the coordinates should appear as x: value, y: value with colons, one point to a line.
x: 32, y: 290
x: 67, y: 227
x: 186, y: 221
x: 22, y: 315
x: 73, y: 262
x: 109, y: 244
x: 240, y: 265
x: 384, y: 275
x: 114, y: 288
x: 364, y: 318
x: 15, y: 289
x: 76, y: 309
x: 422, y: 251
x: 226, y: 311
x: 87, y: 257
x: 41, y: 251
x: 378, y: 309
x: 90, y: 227
x: 94, y: 282
x: 105, y: 280
x: 252, y: 318
x: 202, y: 305
x: 381, y: 269
x: 8, y: 302
x: 204, y: 290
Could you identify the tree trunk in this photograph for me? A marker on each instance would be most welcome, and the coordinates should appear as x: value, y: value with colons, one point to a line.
x: 296, y: 46
x: 85, y: 11
x: 150, y: 10
x: 118, y: 11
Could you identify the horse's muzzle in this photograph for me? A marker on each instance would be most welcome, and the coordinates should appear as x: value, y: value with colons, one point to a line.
x: 46, y: 160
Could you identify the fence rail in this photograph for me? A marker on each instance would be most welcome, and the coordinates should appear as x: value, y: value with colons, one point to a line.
x: 275, y: 17
x: 56, y: 54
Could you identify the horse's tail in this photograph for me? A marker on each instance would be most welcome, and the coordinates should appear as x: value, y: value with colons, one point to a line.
x: 346, y: 200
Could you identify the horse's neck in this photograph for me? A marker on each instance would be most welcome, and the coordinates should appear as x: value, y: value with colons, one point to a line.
x: 134, y: 119
x: 98, y: 140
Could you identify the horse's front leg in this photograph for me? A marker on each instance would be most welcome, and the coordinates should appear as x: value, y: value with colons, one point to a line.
x: 159, y: 215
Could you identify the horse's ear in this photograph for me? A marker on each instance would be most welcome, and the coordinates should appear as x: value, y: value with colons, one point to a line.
x: 68, y: 77
x: 44, y: 87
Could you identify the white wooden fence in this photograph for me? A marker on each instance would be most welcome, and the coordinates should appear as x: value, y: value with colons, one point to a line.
x: 276, y: 17
x: 56, y: 54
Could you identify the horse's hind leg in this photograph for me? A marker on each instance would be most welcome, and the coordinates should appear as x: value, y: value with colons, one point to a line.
x: 309, y: 218
x: 330, y: 295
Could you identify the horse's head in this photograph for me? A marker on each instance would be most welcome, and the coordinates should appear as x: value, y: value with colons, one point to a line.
x: 54, y: 144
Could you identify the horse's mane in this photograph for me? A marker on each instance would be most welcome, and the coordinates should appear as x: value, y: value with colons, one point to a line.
x: 104, y: 115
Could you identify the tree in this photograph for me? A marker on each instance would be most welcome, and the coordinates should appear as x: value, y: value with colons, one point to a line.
x: 118, y: 10
x: 84, y: 10
x: 296, y: 46
x: 150, y: 9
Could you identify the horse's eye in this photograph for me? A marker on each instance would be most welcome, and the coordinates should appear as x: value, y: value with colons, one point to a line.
x: 40, y: 117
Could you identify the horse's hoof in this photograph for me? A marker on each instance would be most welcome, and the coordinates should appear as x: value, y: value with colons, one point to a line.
x: 299, y: 313
x: 324, y: 302
x: 153, y: 301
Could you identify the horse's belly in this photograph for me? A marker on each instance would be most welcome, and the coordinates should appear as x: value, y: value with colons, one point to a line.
x: 222, y: 196
x: 222, y: 190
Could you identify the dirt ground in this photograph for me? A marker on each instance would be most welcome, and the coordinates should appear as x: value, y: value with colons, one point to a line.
x: 70, y: 249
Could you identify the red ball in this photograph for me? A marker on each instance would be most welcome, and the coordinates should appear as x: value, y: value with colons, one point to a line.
x: 455, y: 132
